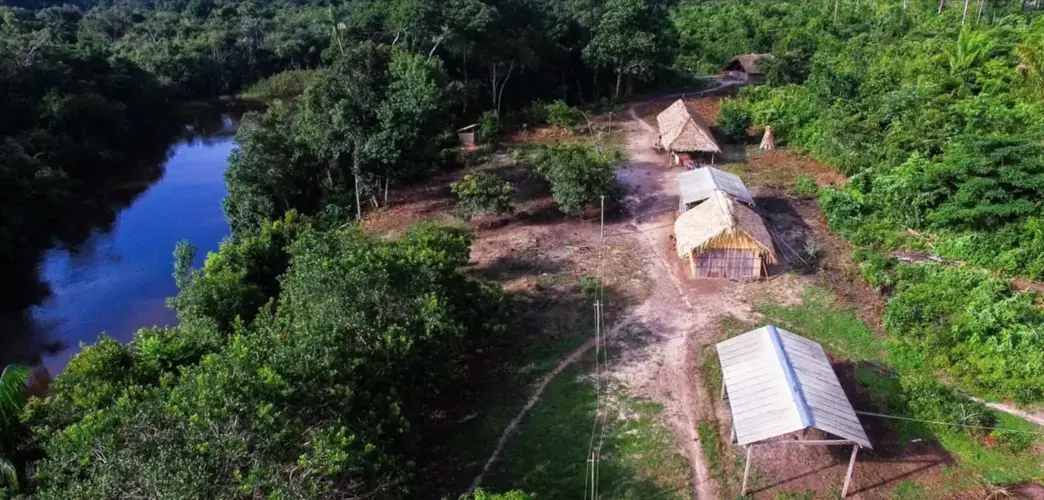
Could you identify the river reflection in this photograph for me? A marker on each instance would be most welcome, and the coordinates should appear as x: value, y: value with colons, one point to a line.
x: 116, y: 276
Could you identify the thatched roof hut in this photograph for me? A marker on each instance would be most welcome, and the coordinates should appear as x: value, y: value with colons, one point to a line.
x: 724, y: 239
x: 748, y: 63
x: 682, y: 129
x: 695, y: 186
x: 768, y: 141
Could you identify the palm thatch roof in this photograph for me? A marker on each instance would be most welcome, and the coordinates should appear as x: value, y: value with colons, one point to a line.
x: 683, y: 129
x: 722, y: 222
x: 747, y: 63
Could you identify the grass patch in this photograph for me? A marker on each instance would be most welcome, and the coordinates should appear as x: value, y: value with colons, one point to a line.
x: 909, y: 490
x: 903, y: 387
x: 820, y: 318
x: 548, y: 455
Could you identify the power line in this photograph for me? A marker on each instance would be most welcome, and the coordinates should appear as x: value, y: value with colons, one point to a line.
x: 952, y: 424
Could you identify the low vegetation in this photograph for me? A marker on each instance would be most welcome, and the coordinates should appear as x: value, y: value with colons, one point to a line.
x: 994, y: 444
x: 938, y: 127
x: 285, y: 85
x: 482, y: 192
x: 580, y: 176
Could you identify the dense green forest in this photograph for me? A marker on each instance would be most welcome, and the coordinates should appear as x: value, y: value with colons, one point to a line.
x: 311, y: 358
x: 938, y: 127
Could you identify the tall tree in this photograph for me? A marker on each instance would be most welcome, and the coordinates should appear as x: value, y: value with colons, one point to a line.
x: 628, y: 39
x: 339, y: 114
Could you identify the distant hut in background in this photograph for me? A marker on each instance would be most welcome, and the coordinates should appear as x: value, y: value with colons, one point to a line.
x: 696, y: 186
x: 723, y: 238
x: 468, y: 136
x: 747, y: 67
x: 684, y: 132
x: 768, y: 141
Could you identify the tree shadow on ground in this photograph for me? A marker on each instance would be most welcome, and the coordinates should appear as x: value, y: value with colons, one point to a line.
x: 548, y: 454
x: 795, y: 247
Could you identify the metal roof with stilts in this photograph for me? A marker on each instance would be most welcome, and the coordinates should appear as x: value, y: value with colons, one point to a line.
x: 777, y: 383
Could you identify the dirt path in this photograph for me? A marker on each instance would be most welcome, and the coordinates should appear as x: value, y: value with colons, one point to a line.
x: 677, y: 313
x: 573, y: 357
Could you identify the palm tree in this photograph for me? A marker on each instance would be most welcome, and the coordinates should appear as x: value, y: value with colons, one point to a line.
x: 1031, y: 68
x: 12, y: 399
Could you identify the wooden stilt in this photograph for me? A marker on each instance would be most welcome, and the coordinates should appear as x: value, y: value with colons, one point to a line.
x: 848, y: 477
x: 723, y: 387
x: 732, y: 432
x: 746, y: 469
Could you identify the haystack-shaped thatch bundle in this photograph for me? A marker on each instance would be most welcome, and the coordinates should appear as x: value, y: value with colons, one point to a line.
x: 768, y: 141
x: 724, y: 239
x: 747, y: 63
x: 682, y: 129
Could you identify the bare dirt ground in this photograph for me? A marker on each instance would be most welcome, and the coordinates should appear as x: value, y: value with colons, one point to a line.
x: 659, y: 320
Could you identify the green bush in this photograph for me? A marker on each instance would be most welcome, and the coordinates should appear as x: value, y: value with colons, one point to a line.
x: 734, y: 119
x: 805, y: 186
x: 579, y: 175
x: 560, y: 114
x: 489, y: 128
x: 482, y: 192
x: 287, y: 84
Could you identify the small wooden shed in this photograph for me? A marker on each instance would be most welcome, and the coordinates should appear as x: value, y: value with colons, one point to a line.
x: 723, y: 238
x: 683, y: 130
x: 746, y: 67
x: 468, y: 136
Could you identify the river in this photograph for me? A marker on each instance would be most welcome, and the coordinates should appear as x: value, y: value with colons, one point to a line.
x: 117, y: 280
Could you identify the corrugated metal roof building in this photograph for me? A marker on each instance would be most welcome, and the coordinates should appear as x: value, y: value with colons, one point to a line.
x: 695, y: 186
x: 778, y: 383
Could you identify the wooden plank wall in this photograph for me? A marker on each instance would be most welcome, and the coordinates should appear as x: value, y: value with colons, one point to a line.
x: 727, y: 263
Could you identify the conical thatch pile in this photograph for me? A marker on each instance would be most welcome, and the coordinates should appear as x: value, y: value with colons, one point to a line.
x: 721, y: 222
x: 682, y: 129
x: 748, y: 63
x: 768, y: 142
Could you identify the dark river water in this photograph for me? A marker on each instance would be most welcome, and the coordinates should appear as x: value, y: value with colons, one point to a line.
x: 118, y: 279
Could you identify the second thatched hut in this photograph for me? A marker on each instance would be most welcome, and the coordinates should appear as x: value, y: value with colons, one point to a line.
x: 722, y: 238
x: 683, y: 130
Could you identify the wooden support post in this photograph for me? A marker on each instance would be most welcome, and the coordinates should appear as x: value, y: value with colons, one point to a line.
x: 732, y: 432
x: 746, y: 470
x: 848, y: 477
x: 723, y: 387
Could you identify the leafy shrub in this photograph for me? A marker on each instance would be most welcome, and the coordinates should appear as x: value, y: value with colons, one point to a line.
x: 287, y: 84
x: 805, y: 186
x: 972, y: 325
x: 482, y: 192
x: 734, y: 119
x: 579, y: 175
x: 489, y: 128
x: 481, y: 494
x: 560, y: 114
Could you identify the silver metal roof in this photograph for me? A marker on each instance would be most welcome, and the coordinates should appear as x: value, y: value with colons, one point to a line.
x: 778, y: 383
x: 697, y: 185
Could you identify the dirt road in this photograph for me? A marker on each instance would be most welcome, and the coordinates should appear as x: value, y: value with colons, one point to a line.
x: 678, y: 313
